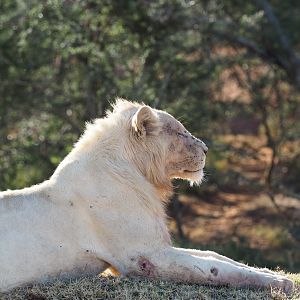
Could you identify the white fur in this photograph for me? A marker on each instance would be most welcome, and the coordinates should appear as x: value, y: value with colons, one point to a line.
x: 104, y: 208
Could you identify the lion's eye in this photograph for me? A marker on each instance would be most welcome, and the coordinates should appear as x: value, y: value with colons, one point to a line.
x: 180, y: 134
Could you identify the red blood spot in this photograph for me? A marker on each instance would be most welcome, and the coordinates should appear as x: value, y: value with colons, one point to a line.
x: 214, y: 271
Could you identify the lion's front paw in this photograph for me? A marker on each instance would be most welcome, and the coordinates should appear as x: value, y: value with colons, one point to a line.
x: 285, y: 285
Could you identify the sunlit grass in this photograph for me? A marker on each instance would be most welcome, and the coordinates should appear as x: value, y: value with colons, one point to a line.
x: 123, y: 288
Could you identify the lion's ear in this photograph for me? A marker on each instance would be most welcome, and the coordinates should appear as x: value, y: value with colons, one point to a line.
x: 146, y: 122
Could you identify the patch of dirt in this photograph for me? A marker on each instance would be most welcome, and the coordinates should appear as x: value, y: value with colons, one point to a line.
x: 231, y: 214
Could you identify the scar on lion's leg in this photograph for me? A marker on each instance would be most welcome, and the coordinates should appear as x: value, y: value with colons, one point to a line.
x: 147, y: 268
x: 214, y: 271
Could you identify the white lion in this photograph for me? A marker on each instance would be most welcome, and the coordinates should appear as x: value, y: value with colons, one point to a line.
x: 104, y: 208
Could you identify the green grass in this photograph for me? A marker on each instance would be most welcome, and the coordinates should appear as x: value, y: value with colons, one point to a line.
x: 124, y: 288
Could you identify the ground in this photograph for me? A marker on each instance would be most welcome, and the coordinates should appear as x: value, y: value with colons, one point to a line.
x: 123, y: 288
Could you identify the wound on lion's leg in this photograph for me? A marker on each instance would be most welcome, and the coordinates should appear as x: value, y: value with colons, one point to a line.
x: 147, y: 268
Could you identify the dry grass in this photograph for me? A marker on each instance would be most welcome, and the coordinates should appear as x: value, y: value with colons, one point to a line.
x: 123, y: 288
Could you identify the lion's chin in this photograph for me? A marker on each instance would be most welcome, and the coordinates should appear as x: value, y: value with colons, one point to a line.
x: 194, y: 177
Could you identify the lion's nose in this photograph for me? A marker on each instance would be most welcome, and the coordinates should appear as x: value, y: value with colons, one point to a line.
x: 204, y: 147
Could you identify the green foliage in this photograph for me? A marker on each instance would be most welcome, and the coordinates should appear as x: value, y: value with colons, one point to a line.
x: 63, y: 62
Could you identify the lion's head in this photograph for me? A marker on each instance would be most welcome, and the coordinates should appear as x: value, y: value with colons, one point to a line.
x: 160, y: 146
x: 151, y: 141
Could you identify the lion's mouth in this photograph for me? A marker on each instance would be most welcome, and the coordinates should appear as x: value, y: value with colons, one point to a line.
x: 189, y: 171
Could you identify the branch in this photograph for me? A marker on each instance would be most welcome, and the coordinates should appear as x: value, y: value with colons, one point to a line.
x: 284, y: 41
x: 293, y: 66
x: 252, y: 47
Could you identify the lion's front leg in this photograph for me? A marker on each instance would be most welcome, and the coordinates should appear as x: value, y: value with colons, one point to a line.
x: 208, y: 253
x: 174, y: 264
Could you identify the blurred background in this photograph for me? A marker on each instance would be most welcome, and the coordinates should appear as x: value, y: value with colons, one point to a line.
x: 228, y: 70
